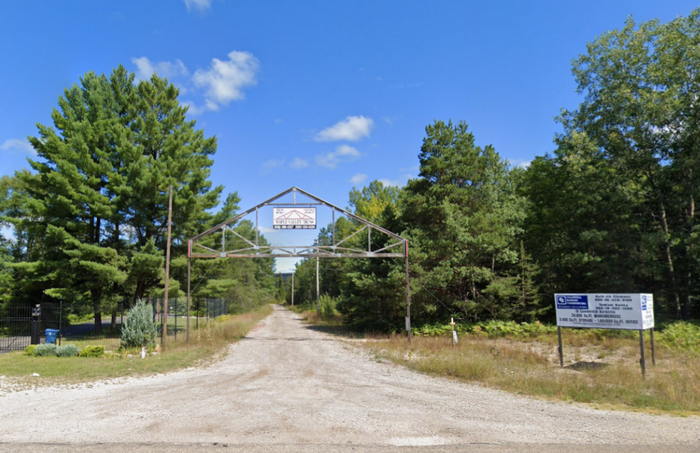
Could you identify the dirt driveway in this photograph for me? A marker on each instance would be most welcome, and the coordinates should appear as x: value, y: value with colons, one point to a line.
x: 287, y: 387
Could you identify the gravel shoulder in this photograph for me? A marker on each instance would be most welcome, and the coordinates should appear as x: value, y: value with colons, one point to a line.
x: 286, y: 387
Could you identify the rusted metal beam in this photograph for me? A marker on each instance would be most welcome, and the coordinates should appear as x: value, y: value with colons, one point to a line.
x: 299, y: 255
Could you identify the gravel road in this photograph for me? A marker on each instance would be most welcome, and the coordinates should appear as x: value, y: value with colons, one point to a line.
x: 286, y: 387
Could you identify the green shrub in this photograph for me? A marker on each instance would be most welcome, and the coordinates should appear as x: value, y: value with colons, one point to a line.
x: 30, y: 350
x: 68, y: 350
x: 45, y: 350
x: 492, y: 329
x: 327, y: 307
x: 92, y: 351
x: 139, y: 330
x: 682, y: 335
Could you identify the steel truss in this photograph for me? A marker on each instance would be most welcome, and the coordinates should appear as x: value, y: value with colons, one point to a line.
x: 339, y: 247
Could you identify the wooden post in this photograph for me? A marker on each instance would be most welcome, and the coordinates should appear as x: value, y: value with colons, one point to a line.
x: 164, y: 331
x: 561, y: 347
x: 189, y: 302
x: 642, y: 361
x: 653, y: 349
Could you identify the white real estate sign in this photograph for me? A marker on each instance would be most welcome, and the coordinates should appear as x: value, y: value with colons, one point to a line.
x: 294, y: 218
x: 605, y: 311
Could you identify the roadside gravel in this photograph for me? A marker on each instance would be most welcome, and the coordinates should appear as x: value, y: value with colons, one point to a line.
x: 286, y: 387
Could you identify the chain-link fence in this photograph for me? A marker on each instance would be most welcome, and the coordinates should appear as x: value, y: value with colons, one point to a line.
x: 200, y: 311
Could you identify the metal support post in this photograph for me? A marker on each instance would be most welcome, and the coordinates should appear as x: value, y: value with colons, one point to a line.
x: 653, y: 349
x: 408, y: 294
x: 189, y: 301
x: 292, y: 289
x: 561, y: 347
x: 318, y: 285
x: 333, y: 231
x: 642, y: 360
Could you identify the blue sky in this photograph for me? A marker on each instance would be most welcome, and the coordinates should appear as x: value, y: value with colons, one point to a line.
x: 325, y: 95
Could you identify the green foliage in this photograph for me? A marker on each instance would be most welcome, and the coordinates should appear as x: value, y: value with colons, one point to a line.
x: 45, y: 350
x: 92, y: 351
x: 682, y: 335
x: 139, y: 330
x: 463, y: 218
x: 90, y: 217
x: 327, y: 307
x: 52, y: 350
x: 492, y: 328
x: 68, y: 350
x: 626, y: 169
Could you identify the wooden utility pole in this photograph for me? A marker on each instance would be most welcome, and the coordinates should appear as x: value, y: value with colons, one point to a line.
x: 164, y: 330
x: 189, y: 303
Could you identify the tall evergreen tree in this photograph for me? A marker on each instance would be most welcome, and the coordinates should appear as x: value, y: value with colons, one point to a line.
x: 463, y: 217
x: 99, y: 186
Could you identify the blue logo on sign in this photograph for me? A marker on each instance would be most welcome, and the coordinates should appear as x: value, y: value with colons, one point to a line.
x: 644, y: 303
x: 576, y: 302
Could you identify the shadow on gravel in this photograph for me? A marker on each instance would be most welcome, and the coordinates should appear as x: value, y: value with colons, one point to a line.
x: 338, y: 331
x: 285, y: 339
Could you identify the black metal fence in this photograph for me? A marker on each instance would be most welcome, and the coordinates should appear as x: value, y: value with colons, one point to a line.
x: 16, y: 320
x: 201, y: 310
x: 16, y: 323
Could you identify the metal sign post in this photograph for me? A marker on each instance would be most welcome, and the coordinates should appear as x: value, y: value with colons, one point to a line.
x: 642, y: 361
x: 607, y: 311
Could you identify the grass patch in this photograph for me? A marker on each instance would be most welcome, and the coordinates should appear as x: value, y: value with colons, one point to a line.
x: 204, y: 344
x: 323, y: 316
x: 608, y: 374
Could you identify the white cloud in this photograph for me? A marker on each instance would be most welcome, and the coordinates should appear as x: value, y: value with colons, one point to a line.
x: 352, y: 128
x: 199, y: 5
x: 358, y: 178
x: 298, y: 163
x: 399, y: 182
x: 390, y: 182
x: 17, y: 145
x: 519, y: 163
x: 224, y: 81
x: 218, y: 85
x: 342, y: 153
x: 145, y: 68
x: 273, y: 163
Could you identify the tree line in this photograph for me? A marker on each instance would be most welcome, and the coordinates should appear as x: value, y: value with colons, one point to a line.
x: 611, y: 209
x: 88, y: 220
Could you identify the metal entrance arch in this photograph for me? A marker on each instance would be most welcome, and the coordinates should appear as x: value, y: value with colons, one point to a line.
x: 339, y: 247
